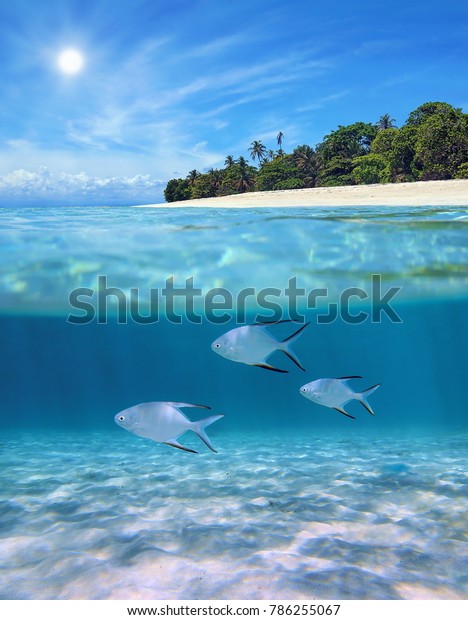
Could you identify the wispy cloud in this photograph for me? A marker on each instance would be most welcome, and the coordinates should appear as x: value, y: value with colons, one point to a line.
x: 323, y: 101
x: 257, y: 77
x: 234, y: 103
x: 101, y: 131
x: 379, y: 46
x: 217, y: 46
x: 139, y: 123
x: 396, y: 80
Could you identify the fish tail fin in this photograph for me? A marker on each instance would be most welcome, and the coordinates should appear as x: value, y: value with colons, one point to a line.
x: 287, y: 343
x: 363, y: 396
x: 199, y: 428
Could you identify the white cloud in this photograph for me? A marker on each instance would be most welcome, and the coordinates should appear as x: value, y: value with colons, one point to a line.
x: 164, y: 151
x: 81, y: 188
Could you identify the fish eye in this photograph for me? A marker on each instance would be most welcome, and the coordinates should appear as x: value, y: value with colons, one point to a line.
x: 303, y: 389
x: 217, y: 345
x: 121, y: 418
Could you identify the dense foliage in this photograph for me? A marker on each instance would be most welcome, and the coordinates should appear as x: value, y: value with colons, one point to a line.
x: 432, y: 145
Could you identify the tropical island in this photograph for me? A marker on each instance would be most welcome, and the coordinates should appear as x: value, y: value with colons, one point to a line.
x: 431, y: 146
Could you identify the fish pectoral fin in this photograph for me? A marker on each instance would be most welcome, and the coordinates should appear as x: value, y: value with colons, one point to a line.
x: 268, y: 367
x: 176, y: 444
x: 344, y: 412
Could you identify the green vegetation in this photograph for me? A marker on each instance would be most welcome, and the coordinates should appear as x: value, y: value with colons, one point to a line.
x: 432, y: 145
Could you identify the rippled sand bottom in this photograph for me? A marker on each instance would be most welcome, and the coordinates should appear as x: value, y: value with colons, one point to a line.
x: 111, y: 516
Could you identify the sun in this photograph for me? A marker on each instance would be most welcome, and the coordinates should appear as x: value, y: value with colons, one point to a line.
x: 70, y: 61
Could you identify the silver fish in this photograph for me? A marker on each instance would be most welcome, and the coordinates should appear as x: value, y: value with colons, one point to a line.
x: 335, y: 393
x: 164, y: 422
x: 253, y: 344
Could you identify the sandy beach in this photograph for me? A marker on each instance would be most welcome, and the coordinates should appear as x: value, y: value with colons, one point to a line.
x: 422, y: 193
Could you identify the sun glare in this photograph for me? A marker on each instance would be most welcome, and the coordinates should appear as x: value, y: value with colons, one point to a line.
x: 71, y: 61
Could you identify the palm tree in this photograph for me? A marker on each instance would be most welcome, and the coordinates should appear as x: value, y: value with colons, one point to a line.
x: 229, y: 161
x: 257, y: 150
x: 279, y: 141
x: 242, y: 163
x: 245, y: 180
x: 216, y: 177
x: 192, y: 176
x: 385, y: 122
x: 271, y: 154
x: 305, y: 159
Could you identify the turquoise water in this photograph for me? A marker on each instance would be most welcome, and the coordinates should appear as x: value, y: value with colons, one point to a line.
x: 299, y: 501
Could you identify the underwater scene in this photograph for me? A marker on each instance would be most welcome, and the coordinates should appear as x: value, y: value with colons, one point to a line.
x: 233, y: 404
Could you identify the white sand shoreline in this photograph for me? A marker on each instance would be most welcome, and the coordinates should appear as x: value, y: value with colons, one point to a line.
x: 421, y: 193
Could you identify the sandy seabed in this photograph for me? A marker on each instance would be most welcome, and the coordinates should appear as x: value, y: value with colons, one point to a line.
x: 421, y: 193
x: 103, y: 516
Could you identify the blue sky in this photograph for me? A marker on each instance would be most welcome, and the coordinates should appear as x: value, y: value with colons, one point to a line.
x: 169, y: 86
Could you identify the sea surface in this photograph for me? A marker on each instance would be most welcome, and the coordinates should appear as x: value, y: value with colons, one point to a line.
x: 299, y: 501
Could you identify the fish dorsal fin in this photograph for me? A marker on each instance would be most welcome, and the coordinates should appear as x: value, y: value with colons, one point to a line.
x: 174, y: 404
x: 176, y: 444
x: 268, y: 367
x: 266, y: 323
x: 347, y: 378
x: 296, y: 333
x: 344, y: 412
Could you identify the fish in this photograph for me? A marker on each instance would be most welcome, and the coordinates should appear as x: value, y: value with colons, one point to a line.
x: 335, y: 393
x: 164, y: 422
x: 253, y: 344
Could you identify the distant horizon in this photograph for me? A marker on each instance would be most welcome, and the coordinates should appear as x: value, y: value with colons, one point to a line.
x: 103, y: 104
